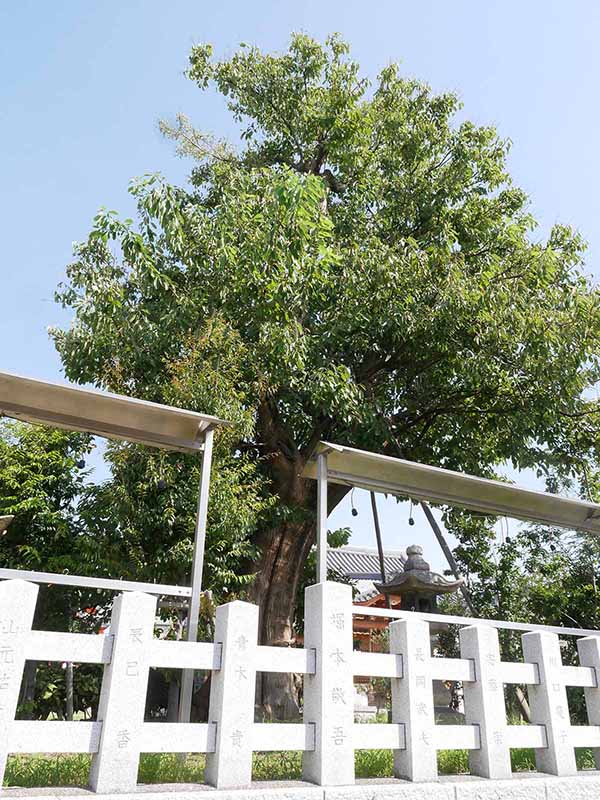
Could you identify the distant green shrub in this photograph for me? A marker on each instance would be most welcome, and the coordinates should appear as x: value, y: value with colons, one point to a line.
x: 73, y: 770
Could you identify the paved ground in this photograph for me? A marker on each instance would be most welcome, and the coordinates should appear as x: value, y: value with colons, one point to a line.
x: 533, y: 786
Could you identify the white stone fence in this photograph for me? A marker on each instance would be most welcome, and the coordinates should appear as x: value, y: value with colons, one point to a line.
x: 328, y: 735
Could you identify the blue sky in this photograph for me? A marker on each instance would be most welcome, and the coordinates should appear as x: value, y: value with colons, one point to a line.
x: 83, y: 85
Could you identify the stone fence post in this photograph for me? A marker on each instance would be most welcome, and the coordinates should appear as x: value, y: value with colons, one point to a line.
x: 548, y: 703
x: 123, y: 694
x: 412, y: 701
x: 589, y: 656
x: 17, y: 605
x: 329, y: 693
x: 232, y: 692
x: 484, y: 702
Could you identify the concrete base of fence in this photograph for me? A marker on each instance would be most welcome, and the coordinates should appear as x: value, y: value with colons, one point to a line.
x: 533, y: 786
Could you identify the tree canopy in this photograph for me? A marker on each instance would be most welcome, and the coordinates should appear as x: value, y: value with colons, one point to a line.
x: 42, y: 475
x: 359, y: 266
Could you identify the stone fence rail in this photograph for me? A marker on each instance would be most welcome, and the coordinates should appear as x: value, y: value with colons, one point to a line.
x: 328, y: 735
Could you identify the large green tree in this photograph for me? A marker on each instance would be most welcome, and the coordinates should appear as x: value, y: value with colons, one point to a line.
x: 42, y: 477
x: 370, y: 256
x: 145, y: 514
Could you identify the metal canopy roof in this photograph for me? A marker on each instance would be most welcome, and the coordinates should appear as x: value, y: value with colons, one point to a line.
x: 111, y: 415
x: 379, y: 473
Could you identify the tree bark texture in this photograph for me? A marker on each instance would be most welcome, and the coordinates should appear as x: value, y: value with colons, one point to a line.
x: 275, y: 591
x: 283, y: 553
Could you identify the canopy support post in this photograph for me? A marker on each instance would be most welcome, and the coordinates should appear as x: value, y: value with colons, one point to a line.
x: 449, y: 557
x: 321, y: 518
x: 187, y: 683
x: 379, y: 544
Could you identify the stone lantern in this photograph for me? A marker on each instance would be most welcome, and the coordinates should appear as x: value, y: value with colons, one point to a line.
x: 418, y: 589
x: 416, y: 585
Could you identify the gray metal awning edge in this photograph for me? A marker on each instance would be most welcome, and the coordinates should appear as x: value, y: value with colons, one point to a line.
x: 103, y: 414
x: 380, y: 473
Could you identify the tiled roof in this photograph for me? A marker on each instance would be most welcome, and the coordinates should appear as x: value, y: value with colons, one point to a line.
x: 362, y: 563
x: 366, y: 593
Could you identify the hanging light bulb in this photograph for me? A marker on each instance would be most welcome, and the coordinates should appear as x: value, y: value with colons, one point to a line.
x: 354, y: 510
x: 410, y: 516
x: 5, y: 522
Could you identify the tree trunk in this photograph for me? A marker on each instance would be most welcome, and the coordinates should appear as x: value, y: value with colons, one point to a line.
x: 523, y: 704
x: 69, y: 691
x: 27, y: 693
x: 275, y: 591
x: 283, y: 553
x: 172, y: 700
